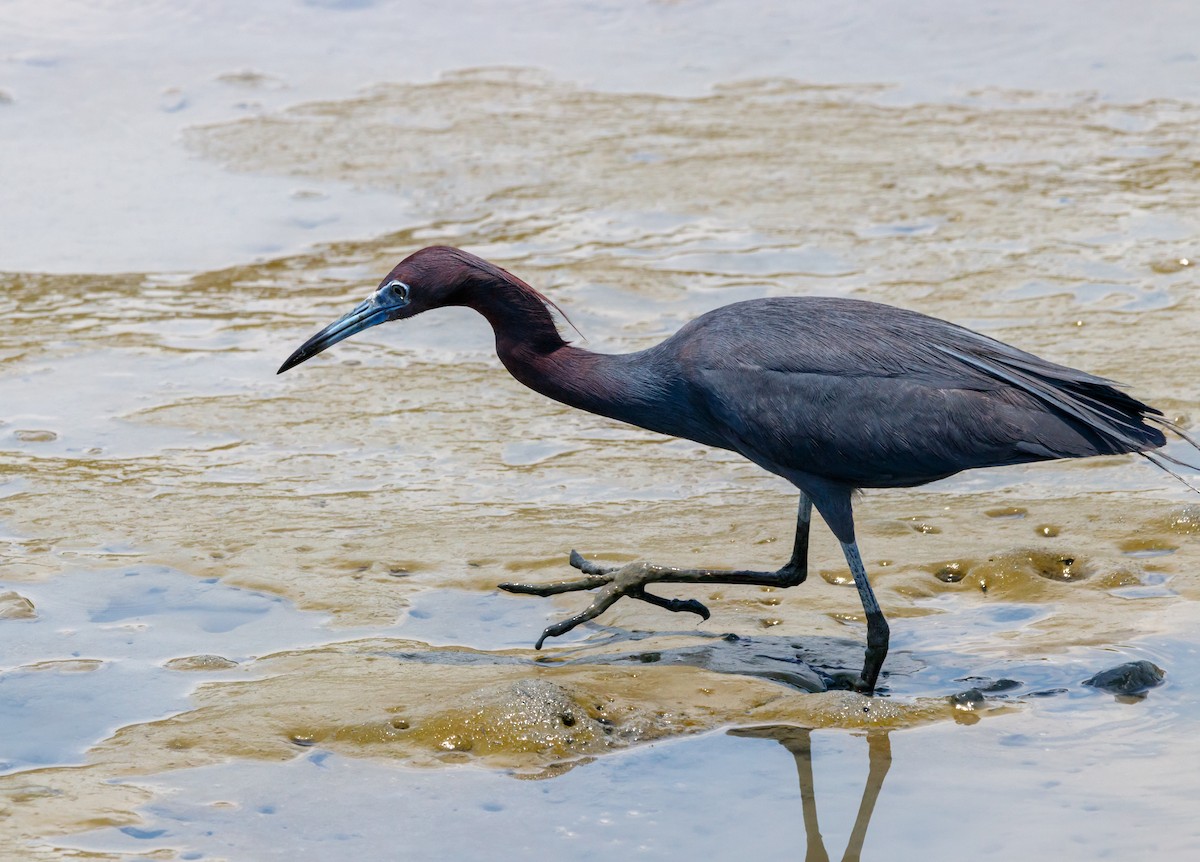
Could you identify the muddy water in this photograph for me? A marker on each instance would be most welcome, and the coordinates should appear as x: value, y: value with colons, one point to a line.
x: 228, y: 597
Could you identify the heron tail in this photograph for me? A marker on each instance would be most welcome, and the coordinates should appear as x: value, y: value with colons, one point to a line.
x: 1118, y: 423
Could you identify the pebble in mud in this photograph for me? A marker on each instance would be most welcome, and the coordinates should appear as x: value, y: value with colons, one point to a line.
x: 1132, y: 679
x: 986, y: 685
x: 14, y: 606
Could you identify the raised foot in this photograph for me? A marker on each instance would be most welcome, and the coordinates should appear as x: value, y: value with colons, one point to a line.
x: 613, y: 582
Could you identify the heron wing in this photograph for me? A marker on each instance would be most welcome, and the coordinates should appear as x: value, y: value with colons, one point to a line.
x: 875, y: 396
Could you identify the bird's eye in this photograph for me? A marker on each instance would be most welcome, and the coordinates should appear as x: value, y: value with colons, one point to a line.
x: 399, y: 291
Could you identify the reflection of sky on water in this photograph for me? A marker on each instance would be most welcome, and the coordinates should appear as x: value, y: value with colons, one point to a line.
x: 131, y: 621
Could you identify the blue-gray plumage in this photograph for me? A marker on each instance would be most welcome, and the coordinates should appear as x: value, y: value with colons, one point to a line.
x: 831, y: 394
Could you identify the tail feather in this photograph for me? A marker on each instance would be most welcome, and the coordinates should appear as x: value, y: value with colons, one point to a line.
x: 1117, y: 421
x: 1120, y: 422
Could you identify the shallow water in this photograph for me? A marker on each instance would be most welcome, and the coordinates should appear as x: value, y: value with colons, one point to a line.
x: 228, y: 597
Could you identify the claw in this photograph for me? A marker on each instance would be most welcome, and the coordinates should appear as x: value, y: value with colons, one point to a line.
x: 554, y: 631
x: 604, y: 599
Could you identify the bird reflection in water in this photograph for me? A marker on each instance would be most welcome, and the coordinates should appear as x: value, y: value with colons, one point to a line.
x: 798, y: 740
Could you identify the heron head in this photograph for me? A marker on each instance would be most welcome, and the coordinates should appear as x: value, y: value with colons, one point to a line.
x: 430, y: 278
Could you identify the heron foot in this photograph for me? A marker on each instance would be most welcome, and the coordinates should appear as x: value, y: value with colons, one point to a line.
x: 613, y: 582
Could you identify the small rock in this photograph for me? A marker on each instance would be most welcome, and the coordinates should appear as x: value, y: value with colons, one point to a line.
x: 968, y: 701
x: 987, y: 685
x: 14, y: 606
x: 1133, y: 679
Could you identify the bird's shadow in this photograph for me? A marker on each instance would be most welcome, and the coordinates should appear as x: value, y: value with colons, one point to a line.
x: 803, y: 663
x: 810, y: 664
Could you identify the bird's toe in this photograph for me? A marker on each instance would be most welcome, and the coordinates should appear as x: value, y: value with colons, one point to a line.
x: 590, y: 567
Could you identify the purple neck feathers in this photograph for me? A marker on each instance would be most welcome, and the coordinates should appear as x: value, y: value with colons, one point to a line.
x: 533, y: 351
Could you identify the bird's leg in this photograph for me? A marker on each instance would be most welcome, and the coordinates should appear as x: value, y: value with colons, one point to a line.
x: 877, y: 627
x: 630, y: 580
x: 795, y: 572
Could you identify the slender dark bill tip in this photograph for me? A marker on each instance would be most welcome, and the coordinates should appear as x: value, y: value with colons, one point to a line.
x: 291, y: 362
x: 364, y: 317
x: 307, y: 350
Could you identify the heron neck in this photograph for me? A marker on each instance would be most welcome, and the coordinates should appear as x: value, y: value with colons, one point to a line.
x: 619, y: 386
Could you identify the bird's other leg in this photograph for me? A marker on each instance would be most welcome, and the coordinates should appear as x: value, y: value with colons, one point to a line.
x: 796, y: 570
x: 615, y: 581
x: 877, y: 627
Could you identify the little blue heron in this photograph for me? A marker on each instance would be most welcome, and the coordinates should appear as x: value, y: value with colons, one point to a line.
x: 831, y: 394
